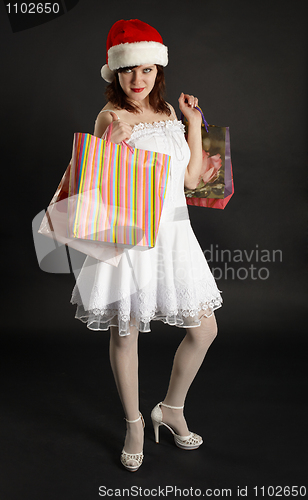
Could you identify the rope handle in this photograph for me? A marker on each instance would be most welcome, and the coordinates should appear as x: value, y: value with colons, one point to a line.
x: 204, y: 120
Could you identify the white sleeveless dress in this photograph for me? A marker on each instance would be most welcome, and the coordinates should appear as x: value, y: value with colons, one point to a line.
x: 171, y: 282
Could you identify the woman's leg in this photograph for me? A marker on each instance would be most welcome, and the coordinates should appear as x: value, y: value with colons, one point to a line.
x: 124, y: 364
x: 187, y: 361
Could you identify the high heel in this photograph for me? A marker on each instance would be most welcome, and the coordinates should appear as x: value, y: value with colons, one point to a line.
x: 190, y: 442
x: 136, y: 457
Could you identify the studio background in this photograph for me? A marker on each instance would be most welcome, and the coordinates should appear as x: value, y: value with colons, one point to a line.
x: 246, y: 62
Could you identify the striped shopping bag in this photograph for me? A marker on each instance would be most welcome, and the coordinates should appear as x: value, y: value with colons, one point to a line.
x: 116, y: 193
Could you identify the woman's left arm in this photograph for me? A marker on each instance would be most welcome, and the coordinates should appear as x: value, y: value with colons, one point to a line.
x: 187, y: 105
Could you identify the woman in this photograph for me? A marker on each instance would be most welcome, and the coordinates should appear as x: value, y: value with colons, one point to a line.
x: 172, y: 281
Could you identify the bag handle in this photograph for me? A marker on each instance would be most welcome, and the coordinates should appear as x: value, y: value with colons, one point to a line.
x: 108, y: 136
x: 204, y: 120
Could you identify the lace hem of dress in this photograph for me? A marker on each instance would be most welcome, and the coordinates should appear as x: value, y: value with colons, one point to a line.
x: 102, y: 320
x: 141, y: 129
x: 179, y: 305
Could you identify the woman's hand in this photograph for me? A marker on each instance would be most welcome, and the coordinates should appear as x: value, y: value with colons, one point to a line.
x: 121, y: 131
x: 187, y: 104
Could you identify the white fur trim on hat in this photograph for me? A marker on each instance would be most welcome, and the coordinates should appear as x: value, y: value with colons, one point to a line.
x: 136, y: 54
x: 107, y: 74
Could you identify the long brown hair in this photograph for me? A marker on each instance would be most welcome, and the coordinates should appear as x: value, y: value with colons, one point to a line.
x: 119, y: 99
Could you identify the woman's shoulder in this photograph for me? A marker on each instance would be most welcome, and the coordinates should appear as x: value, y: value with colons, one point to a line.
x: 173, y: 113
x: 103, y: 119
x: 105, y: 114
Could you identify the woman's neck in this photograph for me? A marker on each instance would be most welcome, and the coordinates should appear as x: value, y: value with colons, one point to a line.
x: 144, y: 106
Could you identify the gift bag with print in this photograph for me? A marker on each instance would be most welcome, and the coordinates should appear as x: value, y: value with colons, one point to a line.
x: 215, y: 186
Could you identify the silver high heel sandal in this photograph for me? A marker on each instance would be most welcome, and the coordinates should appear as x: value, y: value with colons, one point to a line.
x: 190, y: 442
x: 137, y: 457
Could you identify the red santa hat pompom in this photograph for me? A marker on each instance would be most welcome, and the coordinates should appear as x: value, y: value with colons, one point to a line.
x: 133, y: 43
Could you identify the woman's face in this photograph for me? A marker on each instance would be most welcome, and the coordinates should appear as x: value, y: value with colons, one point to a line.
x: 138, y: 82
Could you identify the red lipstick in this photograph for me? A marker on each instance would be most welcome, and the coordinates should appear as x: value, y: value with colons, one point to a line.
x: 138, y: 90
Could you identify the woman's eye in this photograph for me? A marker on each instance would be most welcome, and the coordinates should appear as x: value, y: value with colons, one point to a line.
x: 147, y: 70
x: 127, y: 70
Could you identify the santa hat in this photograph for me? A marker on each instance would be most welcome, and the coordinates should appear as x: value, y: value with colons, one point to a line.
x: 133, y: 43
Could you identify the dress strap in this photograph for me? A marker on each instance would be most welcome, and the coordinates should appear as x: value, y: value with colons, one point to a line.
x: 104, y: 111
x: 172, y: 111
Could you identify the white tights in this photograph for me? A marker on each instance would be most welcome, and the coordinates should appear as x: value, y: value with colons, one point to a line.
x: 187, y: 361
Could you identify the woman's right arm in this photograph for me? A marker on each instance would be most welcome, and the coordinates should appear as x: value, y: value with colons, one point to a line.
x: 121, y: 131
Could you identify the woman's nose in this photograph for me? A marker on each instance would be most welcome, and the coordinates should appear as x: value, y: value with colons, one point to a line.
x: 136, y: 76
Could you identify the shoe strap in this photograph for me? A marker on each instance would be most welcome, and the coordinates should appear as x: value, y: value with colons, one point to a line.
x: 137, y: 420
x: 133, y: 421
x: 172, y: 407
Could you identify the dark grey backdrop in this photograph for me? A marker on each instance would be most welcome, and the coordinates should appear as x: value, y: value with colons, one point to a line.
x: 246, y: 62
